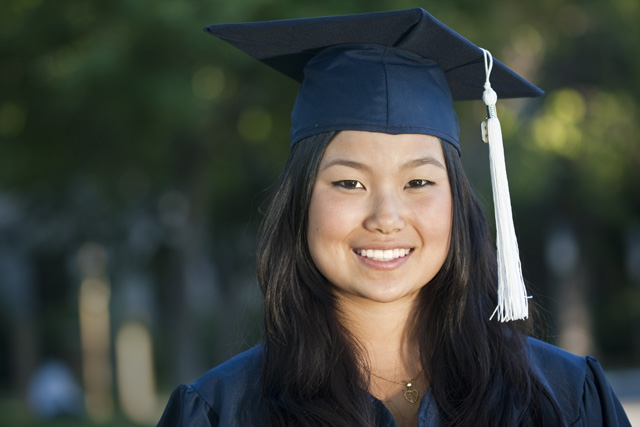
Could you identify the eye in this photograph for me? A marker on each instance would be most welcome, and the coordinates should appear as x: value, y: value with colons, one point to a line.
x: 417, y: 183
x: 349, y: 184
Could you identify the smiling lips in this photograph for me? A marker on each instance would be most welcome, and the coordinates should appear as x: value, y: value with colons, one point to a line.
x: 383, y: 255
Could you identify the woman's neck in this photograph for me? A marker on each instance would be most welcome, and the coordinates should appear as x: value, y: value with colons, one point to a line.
x: 384, y: 330
x: 392, y: 354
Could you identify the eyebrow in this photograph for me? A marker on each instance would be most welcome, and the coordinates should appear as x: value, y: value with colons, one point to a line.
x: 411, y: 164
x: 343, y: 162
x: 428, y: 160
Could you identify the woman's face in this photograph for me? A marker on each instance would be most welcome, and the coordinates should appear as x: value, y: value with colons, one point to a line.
x: 380, y: 214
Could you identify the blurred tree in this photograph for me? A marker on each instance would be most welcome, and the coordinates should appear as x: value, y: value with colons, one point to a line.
x: 122, y: 123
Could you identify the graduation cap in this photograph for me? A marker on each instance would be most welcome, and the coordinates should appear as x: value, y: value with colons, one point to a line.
x: 398, y: 73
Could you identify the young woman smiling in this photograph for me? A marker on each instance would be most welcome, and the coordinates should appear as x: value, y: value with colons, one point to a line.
x: 379, y: 275
x: 341, y: 327
x: 379, y: 229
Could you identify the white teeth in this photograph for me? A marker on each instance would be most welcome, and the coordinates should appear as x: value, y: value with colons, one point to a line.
x: 380, y: 255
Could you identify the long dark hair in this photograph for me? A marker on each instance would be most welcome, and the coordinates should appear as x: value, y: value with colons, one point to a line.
x: 312, y: 373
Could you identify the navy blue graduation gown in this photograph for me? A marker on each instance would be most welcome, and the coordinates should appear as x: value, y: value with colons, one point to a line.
x: 228, y: 395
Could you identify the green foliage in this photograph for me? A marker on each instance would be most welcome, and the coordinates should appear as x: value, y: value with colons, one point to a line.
x: 107, y: 107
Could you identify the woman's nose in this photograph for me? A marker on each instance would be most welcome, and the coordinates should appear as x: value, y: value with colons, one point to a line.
x: 386, y: 214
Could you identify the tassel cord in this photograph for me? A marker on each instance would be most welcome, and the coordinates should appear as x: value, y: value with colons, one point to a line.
x: 512, y: 295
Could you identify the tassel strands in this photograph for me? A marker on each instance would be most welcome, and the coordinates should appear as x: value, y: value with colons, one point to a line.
x: 512, y: 294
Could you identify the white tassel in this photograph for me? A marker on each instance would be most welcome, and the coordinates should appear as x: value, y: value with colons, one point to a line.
x: 513, y: 301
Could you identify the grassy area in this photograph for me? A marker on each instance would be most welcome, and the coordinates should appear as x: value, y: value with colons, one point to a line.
x: 64, y: 422
x: 14, y: 414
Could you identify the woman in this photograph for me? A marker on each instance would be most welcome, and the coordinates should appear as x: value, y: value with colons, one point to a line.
x: 375, y: 259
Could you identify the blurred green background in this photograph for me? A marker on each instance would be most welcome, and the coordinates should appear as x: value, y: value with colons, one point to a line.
x: 136, y: 153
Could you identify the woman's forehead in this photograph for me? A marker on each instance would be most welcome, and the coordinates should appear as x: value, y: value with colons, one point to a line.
x: 354, y: 148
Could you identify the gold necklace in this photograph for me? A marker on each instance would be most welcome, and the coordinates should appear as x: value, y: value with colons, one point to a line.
x: 410, y: 395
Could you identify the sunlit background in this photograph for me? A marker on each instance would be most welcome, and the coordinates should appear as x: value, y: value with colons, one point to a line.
x: 136, y: 153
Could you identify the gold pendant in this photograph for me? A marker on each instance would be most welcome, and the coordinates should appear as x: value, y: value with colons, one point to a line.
x: 410, y: 395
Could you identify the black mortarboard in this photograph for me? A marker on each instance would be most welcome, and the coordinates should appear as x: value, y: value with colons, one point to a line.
x: 347, y: 64
x: 397, y: 73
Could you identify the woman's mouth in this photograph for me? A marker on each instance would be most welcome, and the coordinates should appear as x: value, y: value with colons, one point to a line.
x: 382, y: 255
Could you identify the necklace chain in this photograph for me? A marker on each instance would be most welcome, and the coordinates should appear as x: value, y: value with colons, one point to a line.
x: 397, y: 382
x: 410, y: 395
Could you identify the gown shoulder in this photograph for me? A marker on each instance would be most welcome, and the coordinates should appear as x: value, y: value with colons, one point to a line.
x: 220, y: 397
x: 578, y: 384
